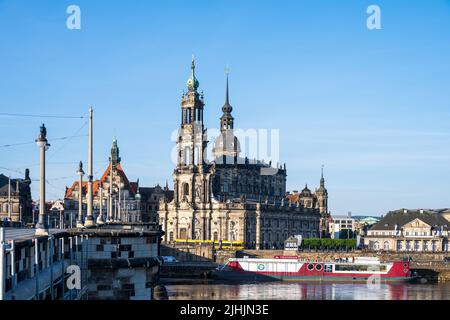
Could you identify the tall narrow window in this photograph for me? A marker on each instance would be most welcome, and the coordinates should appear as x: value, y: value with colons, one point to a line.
x: 185, y: 189
x: 196, y: 156
x: 187, y: 156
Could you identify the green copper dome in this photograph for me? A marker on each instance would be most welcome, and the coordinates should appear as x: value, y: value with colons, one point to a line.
x: 192, y: 82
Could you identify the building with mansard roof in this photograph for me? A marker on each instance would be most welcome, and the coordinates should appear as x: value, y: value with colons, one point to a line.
x: 121, y: 199
x: 230, y: 198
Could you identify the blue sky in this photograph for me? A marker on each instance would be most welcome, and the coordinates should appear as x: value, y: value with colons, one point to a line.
x: 373, y: 106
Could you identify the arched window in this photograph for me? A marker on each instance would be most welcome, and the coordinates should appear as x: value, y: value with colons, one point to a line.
x: 187, y: 156
x: 196, y: 161
x: 386, y: 245
x: 215, y: 236
x: 188, y: 112
x: 376, y: 245
x: 185, y: 189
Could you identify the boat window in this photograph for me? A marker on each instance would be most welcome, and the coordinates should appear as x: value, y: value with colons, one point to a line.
x: 310, y: 267
x: 360, y: 267
x: 328, y: 268
x: 318, y: 267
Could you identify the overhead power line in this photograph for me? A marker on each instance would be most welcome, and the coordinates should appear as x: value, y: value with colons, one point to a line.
x: 75, y: 134
x: 53, y: 139
x: 13, y: 170
x: 39, y: 116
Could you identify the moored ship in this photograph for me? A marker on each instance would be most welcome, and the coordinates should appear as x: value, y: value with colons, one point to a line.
x: 293, y: 269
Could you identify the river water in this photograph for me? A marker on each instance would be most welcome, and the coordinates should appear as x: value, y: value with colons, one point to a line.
x: 309, y: 291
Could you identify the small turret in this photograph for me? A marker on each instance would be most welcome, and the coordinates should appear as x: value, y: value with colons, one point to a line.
x: 115, y: 158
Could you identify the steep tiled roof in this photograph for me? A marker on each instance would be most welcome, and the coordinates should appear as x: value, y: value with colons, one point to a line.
x: 96, y: 184
x: 293, y: 197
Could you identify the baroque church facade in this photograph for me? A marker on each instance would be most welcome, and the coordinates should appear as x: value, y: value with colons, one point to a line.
x: 229, y: 198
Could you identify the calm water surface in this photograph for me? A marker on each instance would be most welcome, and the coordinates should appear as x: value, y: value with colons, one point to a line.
x: 309, y: 291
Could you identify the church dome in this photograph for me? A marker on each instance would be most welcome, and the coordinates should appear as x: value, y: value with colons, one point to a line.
x: 306, y: 192
x: 192, y: 82
x: 226, y: 144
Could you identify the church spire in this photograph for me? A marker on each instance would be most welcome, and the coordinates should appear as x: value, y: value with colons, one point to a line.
x: 227, y: 96
x: 322, y: 180
x: 227, y: 120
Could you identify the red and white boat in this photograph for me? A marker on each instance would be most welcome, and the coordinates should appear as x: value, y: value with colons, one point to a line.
x: 293, y: 269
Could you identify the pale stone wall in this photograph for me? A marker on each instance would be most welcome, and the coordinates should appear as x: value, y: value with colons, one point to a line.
x: 254, y: 225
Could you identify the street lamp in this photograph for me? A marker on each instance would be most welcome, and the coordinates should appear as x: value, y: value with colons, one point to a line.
x: 121, y: 185
x: 80, y: 173
x: 42, y: 142
x: 89, y: 215
x: 9, y: 199
x: 115, y: 210
x: 61, y: 219
x: 109, y: 212
x: 100, y: 215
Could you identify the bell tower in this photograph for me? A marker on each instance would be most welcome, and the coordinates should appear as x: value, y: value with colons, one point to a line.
x: 226, y: 147
x: 322, y: 196
x: 191, y: 143
x: 189, y: 184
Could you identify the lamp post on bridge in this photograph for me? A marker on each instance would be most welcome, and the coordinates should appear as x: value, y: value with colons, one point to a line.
x: 42, y: 142
x: 80, y: 173
x: 89, y: 214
